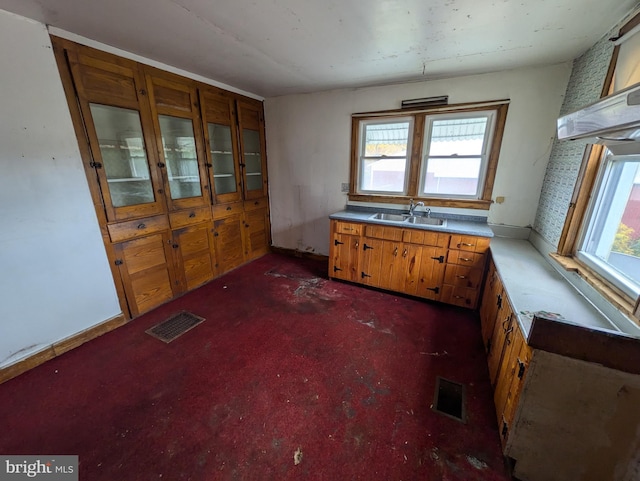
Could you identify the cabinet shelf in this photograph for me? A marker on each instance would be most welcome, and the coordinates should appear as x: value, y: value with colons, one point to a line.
x: 254, y: 173
x: 221, y: 152
x: 129, y: 179
x: 222, y: 175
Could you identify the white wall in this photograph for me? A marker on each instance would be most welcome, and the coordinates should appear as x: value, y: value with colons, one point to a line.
x: 309, y: 136
x: 54, y: 276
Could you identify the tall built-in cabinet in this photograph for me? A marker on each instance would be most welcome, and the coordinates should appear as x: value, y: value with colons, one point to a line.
x: 177, y: 172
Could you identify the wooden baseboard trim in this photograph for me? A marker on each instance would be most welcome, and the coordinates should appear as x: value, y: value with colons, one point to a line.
x: 59, y: 348
x: 297, y: 253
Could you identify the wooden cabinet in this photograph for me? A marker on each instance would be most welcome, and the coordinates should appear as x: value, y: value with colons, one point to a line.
x: 177, y: 171
x: 465, y: 267
x: 508, y: 354
x: 411, y: 261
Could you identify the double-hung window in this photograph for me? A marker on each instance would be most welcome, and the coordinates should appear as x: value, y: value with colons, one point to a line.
x: 456, y: 153
x: 384, y: 155
x: 444, y: 156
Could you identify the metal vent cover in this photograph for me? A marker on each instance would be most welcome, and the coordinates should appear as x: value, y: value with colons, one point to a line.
x: 175, y: 326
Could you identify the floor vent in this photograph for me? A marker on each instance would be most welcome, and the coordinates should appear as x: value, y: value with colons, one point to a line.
x: 450, y: 399
x: 175, y: 326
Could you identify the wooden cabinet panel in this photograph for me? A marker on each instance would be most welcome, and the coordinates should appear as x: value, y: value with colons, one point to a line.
x: 253, y: 159
x: 254, y: 204
x: 465, y: 258
x: 383, y: 232
x: 145, y: 268
x: 431, y: 272
x: 347, y: 227
x: 194, y: 248
x: 225, y: 210
x: 228, y: 242
x: 137, y: 228
x: 187, y: 217
x: 371, y: 262
x: 411, y: 263
x: 426, y: 238
x: 256, y: 224
x: 459, y: 296
x: 344, y: 258
x: 491, y: 308
x: 469, y: 243
x: 499, y: 339
x: 463, y: 276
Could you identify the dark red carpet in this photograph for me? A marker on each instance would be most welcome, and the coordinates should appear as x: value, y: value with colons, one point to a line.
x: 286, y: 361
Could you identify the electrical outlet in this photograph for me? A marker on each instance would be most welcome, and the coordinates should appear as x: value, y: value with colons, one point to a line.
x: 344, y: 187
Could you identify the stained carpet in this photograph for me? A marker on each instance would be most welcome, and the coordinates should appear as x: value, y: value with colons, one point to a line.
x: 292, y: 376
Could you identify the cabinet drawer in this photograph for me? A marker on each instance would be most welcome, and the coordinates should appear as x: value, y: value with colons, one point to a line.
x: 383, y: 232
x: 463, y: 276
x: 256, y: 204
x: 137, y: 228
x: 464, y: 258
x: 425, y: 238
x: 221, y: 211
x: 347, y: 228
x: 189, y: 216
x: 459, y: 296
x: 469, y: 243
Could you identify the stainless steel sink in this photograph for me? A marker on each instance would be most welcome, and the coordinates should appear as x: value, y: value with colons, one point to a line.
x: 426, y: 220
x: 391, y: 217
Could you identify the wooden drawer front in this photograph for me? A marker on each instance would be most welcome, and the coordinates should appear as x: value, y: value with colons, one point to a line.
x: 459, y: 296
x: 221, y: 211
x: 425, y: 238
x: 347, y: 228
x: 256, y: 204
x: 464, y: 258
x: 463, y: 276
x: 137, y: 228
x: 189, y: 216
x: 469, y: 243
x: 383, y: 232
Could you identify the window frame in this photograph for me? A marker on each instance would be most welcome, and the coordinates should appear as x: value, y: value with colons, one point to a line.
x: 362, y: 157
x: 580, y: 209
x: 484, y: 155
x: 413, y: 172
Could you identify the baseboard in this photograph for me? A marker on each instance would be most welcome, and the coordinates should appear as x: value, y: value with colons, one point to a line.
x: 297, y: 253
x: 60, y: 347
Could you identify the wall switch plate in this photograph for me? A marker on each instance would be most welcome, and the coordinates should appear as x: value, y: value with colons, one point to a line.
x: 344, y: 187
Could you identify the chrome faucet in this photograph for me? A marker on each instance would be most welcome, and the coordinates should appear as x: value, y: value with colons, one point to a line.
x: 412, y: 206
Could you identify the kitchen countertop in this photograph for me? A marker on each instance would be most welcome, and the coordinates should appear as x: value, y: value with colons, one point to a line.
x: 460, y: 225
x: 533, y: 285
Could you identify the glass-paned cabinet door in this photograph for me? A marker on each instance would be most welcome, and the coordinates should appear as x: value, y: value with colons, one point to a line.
x: 222, y: 159
x: 252, y: 157
x: 179, y: 147
x: 124, y: 156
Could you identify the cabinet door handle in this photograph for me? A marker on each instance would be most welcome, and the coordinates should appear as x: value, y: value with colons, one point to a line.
x: 404, y: 253
x: 348, y: 228
x: 142, y: 226
x: 461, y: 277
x: 458, y: 297
x: 356, y: 245
x: 434, y: 289
x: 336, y: 269
x: 465, y: 244
x: 363, y: 275
x: 229, y: 207
x: 192, y: 215
x: 161, y: 165
x: 465, y: 259
x: 505, y: 429
x: 521, y: 368
x: 395, y: 251
x: 365, y: 247
x: 336, y: 242
x: 499, y: 302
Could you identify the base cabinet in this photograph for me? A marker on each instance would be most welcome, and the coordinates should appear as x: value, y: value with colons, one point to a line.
x: 411, y: 261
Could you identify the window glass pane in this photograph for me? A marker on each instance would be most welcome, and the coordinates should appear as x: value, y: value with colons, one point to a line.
x: 614, y: 232
x: 457, y: 136
x: 252, y: 159
x: 384, y: 175
x: 123, y: 155
x: 224, y: 169
x: 180, y: 155
x: 452, y: 176
x: 388, y: 139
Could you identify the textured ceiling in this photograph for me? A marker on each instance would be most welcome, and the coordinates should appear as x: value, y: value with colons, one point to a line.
x: 278, y: 47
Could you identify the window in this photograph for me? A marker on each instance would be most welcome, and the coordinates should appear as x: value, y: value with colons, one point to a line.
x: 383, y: 155
x: 455, y: 155
x: 444, y: 156
x: 610, y: 241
